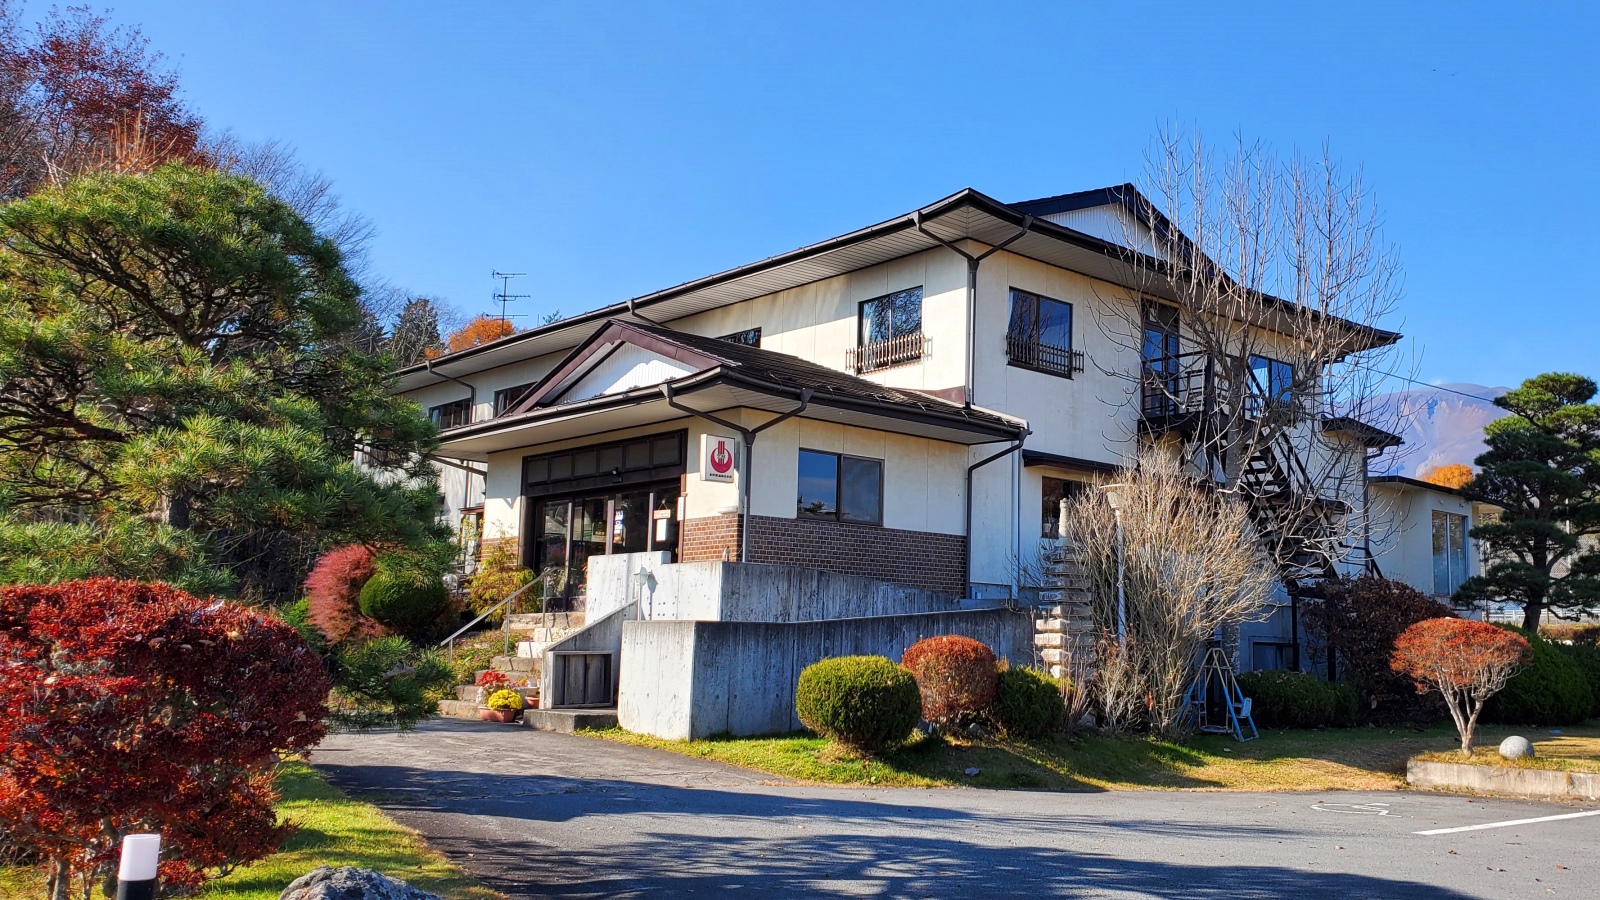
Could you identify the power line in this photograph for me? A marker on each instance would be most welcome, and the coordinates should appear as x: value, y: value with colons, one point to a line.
x: 1441, y: 388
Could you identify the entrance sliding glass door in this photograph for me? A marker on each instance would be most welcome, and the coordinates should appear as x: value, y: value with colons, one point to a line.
x: 568, y: 530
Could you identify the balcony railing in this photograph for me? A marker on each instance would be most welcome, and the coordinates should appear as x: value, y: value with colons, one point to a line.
x: 1032, y: 354
x: 1174, y: 385
x: 896, y: 351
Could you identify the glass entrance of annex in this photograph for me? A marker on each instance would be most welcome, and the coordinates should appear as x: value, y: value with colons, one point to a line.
x: 620, y: 497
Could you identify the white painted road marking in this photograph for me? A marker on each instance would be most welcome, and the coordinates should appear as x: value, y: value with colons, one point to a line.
x: 1357, y: 809
x: 1577, y: 815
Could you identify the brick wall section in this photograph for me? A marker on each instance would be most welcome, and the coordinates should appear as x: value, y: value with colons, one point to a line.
x: 918, y: 558
x: 705, y: 540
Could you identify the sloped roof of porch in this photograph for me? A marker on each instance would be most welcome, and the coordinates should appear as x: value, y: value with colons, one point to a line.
x: 661, y: 367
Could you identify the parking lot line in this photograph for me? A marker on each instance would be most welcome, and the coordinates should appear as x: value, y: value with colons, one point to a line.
x: 1508, y: 824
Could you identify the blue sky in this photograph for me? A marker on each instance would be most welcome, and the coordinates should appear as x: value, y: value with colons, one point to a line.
x: 611, y: 149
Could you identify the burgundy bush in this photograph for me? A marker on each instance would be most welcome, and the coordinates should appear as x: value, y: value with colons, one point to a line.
x: 957, y: 677
x: 333, y: 591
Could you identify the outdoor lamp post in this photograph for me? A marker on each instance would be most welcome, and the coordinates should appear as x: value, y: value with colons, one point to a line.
x: 136, y: 874
x: 1114, y: 496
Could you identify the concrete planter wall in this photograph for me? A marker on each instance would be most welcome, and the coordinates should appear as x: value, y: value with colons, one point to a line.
x: 1539, y: 784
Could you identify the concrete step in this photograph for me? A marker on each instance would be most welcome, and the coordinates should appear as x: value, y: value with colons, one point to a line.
x: 567, y: 721
x: 458, y: 709
x: 514, y: 663
x: 530, y: 621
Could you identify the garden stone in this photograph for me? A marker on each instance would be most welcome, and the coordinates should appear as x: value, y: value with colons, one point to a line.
x: 1515, y: 747
x: 349, y: 883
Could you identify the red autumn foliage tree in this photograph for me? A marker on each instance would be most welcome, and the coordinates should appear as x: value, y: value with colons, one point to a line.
x: 78, y: 95
x: 333, y: 591
x: 1466, y: 661
x: 956, y: 676
x: 129, y: 707
x: 480, y: 330
x: 1357, y: 620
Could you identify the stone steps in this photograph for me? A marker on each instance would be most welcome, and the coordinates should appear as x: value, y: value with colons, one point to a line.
x: 529, y: 621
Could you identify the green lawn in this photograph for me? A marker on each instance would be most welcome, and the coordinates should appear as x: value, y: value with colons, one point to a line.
x: 1324, y: 759
x: 334, y: 830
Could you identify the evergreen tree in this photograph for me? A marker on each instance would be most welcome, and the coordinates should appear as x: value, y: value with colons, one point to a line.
x: 1542, y: 469
x: 176, y: 355
x: 415, y: 335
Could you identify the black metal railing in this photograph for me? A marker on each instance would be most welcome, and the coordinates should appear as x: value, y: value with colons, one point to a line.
x: 1033, y: 354
x: 896, y: 351
x: 1175, y: 385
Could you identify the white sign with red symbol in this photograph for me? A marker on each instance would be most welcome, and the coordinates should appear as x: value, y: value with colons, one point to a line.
x: 719, y: 456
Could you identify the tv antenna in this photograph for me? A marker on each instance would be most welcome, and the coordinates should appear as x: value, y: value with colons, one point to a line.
x: 504, y: 296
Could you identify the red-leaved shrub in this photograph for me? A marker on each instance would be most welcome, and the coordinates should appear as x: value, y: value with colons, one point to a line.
x: 333, y: 591
x: 1358, y: 620
x: 956, y: 676
x: 129, y: 707
x: 1467, y: 662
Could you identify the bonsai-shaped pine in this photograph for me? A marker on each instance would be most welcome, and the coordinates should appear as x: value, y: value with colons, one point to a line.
x: 1466, y: 661
x: 134, y: 707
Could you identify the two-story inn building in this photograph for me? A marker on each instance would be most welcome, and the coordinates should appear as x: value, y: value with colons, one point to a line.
x: 908, y: 402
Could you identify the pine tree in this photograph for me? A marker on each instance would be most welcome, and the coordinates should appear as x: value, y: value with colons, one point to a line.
x: 1542, y: 469
x: 176, y: 353
x: 415, y: 335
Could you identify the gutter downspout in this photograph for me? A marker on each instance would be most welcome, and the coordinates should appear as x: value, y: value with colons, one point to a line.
x: 472, y: 392
x: 970, y: 469
x: 633, y: 310
x: 972, y: 288
x: 748, y: 438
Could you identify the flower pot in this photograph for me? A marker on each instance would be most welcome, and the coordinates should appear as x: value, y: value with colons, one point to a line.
x: 496, y: 715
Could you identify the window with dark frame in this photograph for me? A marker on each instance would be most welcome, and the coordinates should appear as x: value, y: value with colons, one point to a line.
x: 840, y: 488
x: 1052, y: 492
x: 451, y: 415
x: 1039, y: 335
x: 1449, y: 551
x: 750, y: 337
x: 889, y: 332
x: 505, y: 398
x: 1271, y: 386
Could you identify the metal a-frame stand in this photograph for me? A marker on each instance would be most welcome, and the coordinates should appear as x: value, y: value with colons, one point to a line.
x: 1215, y: 701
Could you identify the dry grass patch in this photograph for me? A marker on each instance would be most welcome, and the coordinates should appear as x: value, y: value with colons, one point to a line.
x: 1574, y: 750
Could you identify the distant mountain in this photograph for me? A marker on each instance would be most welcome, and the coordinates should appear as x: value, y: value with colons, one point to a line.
x: 1439, y: 426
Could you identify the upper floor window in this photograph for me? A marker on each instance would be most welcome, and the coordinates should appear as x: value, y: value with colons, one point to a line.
x: 841, y: 488
x: 750, y: 337
x: 890, y: 331
x: 505, y: 398
x: 1039, y: 335
x: 1271, y: 386
x: 1449, y: 551
x: 451, y: 415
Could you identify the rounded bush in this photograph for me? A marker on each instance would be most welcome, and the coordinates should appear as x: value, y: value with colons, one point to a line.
x: 1028, y: 703
x: 403, y: 593
x: 956, y: 676
x: 1280, y: 699
x: 866, y: 703
x: 1549, y: 690
x: 1587, y: 658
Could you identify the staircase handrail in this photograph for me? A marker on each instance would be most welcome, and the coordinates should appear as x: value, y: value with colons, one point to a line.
x: 450, y: 642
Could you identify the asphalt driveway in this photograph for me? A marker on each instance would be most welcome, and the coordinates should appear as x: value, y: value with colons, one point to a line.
x: 546, y: 815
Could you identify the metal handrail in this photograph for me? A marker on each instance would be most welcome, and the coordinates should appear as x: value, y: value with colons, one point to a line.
x: 450, y: 642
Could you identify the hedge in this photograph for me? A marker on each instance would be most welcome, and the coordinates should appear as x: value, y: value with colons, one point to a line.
x: 1028, y: 703
x: 866, y: 703
x: 1299, y: 700
x: 1550, y: 690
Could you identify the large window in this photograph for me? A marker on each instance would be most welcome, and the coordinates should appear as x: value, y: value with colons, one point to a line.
x: 451, y: 415
x: 1053, y: 492
x: 1449, y: 552
x: 890, y: 331
x: 505, y: 398
x: 1271, y: 385
x: 840, y: 488
x: 1039, y: 335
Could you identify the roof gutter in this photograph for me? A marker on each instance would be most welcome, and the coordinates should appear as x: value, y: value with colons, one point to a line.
x: 472, y: 392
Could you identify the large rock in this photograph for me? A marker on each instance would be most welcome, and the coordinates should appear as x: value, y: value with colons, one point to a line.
x: 349, y: 883
x: 1516, y: 747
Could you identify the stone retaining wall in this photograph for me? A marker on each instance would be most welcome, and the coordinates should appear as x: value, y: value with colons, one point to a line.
x: 1539, y: 784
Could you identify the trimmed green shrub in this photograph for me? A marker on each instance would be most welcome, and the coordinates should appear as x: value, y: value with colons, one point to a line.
x: 866, y: 703
x: 1587, y: 658
x: 1028, y: 703
x: 956, y: 675
x: 1550, y: 690
x: 1282, y: 699
x: 404, y: 593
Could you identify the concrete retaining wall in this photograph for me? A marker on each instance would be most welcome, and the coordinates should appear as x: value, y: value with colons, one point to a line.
x: 600, y: 635
x: 687, y: 680
x: 608, y: 584
x: 1540, y: 784
x: 750, y: 592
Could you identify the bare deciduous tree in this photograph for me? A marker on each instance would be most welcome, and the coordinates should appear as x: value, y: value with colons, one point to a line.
x: 1262, y: 285
x: 1191, y: 567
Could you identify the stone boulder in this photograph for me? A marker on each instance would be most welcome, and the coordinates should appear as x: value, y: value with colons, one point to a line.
x: 349, y: 883
x: 1516, y: 747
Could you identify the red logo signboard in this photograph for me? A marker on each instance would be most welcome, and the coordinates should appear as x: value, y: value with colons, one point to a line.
x: 718, y: 457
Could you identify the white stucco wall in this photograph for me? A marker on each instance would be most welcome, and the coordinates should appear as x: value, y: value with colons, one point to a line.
x: 1403, y: 532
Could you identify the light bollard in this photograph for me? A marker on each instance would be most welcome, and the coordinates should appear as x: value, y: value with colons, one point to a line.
x: 136, y: 874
